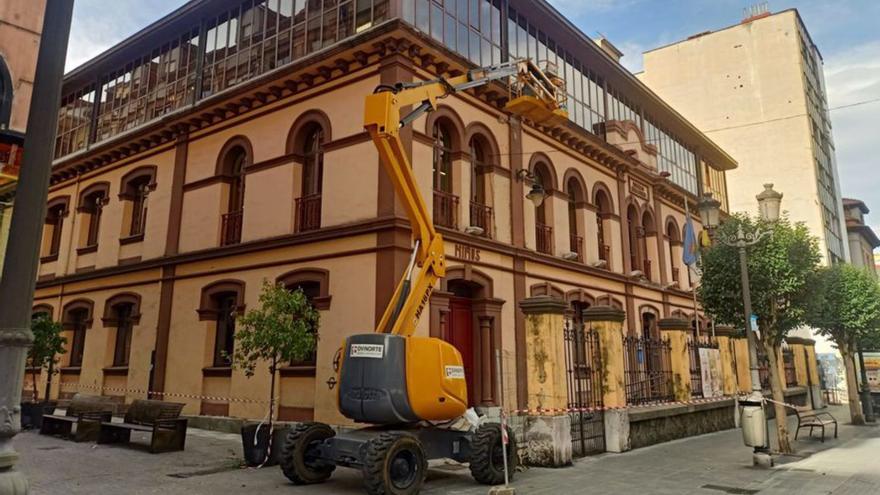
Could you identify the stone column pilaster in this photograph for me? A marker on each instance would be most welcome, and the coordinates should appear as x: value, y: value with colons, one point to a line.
x: 608, y: 324
x: 547, y: 434
x: 675, y: 329
x: 723, y: 334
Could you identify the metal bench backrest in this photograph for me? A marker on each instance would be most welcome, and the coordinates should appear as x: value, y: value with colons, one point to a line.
x: 83, y: 403
x: 148, y: 412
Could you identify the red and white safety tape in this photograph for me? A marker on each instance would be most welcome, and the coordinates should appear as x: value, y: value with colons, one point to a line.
x: 564, y: 410
x: 150, y: 393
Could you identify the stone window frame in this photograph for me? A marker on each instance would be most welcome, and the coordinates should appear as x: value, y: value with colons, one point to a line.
x: 129, y: 195
x: 321, y: 303
x: 68, y: 324
x: 91, y: 227
x: 209, y: 311
x: 57, y: 209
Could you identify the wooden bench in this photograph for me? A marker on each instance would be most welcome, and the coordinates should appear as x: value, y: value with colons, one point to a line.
x: 808, y: 418
x: 161, y: 419
x: 84, y: 411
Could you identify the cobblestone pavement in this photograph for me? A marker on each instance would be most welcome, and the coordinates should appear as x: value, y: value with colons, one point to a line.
x: 709, y: 464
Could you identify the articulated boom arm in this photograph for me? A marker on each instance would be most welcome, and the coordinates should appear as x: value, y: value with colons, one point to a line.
x: 383, y: 121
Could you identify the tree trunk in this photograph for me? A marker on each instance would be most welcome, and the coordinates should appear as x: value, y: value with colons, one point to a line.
x: 49, y: 374
x: 776, y: 389
x: 852, y: 387
x: 34, y: 376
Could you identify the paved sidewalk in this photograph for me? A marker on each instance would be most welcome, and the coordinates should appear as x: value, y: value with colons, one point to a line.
x: 710, y: 464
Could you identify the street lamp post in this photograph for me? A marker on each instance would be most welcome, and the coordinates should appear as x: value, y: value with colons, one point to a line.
x: 22, y: 253
x: 769, y: 202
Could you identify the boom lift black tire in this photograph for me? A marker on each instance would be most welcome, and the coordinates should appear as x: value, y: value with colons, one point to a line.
x: 394, y: 464
x: 294, y: 462
x: 487, y: 462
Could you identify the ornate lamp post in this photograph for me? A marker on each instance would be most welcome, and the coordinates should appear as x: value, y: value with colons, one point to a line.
x: 769, y: 202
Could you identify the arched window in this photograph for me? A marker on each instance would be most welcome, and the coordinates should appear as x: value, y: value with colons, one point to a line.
x: 442, y: 170
x: 5, y: 95
x: 543, y: 220
x: 122, y: 312
x: 308, y: 205
x: 314, y: 284
x: 232, y: 167
x: 55, y: 213
x: 136, y: 186
x: 575, y: 196
x: 480, y: 209
x: 77, y: 318
x: 635, y: 237
x: 675, y: 253
x: 91, y: 204
x: 313, y: 160
x: 603, y: 204
x: 221, y: 302
x: 445, y: 202
x: 647, y: 229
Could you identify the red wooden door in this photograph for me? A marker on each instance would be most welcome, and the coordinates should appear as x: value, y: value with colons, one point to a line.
x: 461, y: 335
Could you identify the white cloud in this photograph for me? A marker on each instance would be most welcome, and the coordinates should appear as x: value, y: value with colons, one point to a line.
x: 99, y: 24
x: 852, y: 76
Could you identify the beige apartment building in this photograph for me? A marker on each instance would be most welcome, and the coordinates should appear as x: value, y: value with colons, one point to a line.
x: 223, y: 146
x: 20, y: 24
x: 757, y: 89
x: 861, y: 237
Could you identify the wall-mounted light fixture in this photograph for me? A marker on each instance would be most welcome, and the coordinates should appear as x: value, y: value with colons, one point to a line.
x: 537, y: 194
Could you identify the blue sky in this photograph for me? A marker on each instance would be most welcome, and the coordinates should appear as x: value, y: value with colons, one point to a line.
x: 844, y: 30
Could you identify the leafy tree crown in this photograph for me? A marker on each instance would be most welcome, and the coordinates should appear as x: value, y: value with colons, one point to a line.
x: 845, y: 306
x: 283, y: 329
x: 48, y: 345
x: 780, y: 269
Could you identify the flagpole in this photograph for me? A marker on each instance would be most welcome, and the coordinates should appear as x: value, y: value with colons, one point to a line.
x: 687, y: 212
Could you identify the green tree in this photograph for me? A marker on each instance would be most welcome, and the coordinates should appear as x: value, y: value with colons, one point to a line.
x: 46, y: 350
x: 780, y: 268
x: 845, y: 307
x: 283, y: 329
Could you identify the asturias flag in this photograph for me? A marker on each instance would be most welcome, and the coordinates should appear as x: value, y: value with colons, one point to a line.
x: 689, y: 256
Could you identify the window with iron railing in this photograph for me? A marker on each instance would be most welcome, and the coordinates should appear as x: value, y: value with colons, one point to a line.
x: 445, y: 209
x: 231, y: 228
x: 544, y: 238
x: 481, y: 216
x: 308, y: 213
x: 576, y: 245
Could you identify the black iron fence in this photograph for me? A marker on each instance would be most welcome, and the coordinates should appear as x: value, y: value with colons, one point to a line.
x: 647, y: 370
x: 583, y: 363
x: 694, y: 345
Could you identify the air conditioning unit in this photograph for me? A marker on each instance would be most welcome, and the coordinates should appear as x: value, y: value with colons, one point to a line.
x: 472, y: 230
x: 570, y: 256
x: 599, y: 264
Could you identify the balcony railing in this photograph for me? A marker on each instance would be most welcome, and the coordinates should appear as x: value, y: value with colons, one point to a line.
x: 544, y: 238
x: 231, y: 228
x: 445, y: 209
x: 481, y: 216
x: 308, y: 213
x: 675, y: 274
x: 576, y: 245
x: 605, y: 253
x: 646, y: 267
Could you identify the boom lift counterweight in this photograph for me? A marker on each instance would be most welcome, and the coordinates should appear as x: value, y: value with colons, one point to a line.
x: 390, y: 378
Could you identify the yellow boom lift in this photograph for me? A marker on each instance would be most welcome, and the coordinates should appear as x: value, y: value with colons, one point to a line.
x: 399, y: 384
